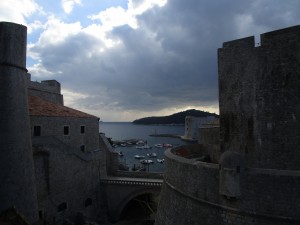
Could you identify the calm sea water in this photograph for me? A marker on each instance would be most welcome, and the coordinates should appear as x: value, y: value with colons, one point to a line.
x: 123, y: 131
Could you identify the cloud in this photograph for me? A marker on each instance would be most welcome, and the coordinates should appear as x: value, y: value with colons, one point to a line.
x: 152, y: 58
x: 68, y: 5
x: 18, y: 10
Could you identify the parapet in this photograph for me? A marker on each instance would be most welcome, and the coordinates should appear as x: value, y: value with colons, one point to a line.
x: 247, y: 42
x: 13, y: 38
x: 52, y: 83
x: 48, y: 90
x: 280, y: 37
x: 258, y: 96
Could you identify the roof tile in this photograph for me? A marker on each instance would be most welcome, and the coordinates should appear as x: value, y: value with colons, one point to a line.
x: 40, y: 107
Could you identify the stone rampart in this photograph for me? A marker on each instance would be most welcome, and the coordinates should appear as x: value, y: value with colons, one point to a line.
x: 197, y: 200
x: 258, y: 93
x: 18, y: 187
x: 48, y: 90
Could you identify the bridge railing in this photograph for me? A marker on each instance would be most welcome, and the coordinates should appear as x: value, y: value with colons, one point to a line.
x: 136, y: 174
x: 142, y: 182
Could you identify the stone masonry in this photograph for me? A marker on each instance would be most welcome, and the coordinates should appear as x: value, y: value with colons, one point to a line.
x: 254, y: 174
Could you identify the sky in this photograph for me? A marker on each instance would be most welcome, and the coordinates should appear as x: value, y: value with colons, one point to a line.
x: 122, y: 60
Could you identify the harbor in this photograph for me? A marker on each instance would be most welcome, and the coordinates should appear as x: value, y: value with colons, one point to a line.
x: 138, y: 155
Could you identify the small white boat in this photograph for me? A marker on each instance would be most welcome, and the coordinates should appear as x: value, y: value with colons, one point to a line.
x: 160, y: 160
x: 143, y: 147
x: 158, y: 145
x: 120, y: 153
x: 167, y: 145
x: 139, y: 156
x: 140, y: 142
x: 146, y: 161
x: 151, y: 155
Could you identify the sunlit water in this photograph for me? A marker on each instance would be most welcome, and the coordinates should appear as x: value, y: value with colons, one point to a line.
x: 123, y: 131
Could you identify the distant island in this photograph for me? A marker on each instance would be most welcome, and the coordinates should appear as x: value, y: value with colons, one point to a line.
x: 177, y: 118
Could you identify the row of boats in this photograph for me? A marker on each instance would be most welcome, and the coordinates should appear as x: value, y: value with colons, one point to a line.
x: 140, y: 144
x: 156, y: 146
x: 148, y: 161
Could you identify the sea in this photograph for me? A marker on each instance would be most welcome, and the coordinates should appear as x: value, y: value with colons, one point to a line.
x: 119, y: 131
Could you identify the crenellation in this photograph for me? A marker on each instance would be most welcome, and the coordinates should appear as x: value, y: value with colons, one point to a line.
x: 254, y: 177
x: 242, y: 43
x: 49, y: 90
x: 280, y: 38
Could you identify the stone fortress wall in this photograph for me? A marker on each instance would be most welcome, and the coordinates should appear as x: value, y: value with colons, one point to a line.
x: 45, y: 176
x: 259, y: 96
x: 46, y: 89
x: 253, y: 176
x: 16, y: 161
x: 266, y: 196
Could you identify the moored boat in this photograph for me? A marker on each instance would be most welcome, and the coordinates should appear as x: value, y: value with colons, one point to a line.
x: 160, y: 160
x: 143, y: 147
x: 139, y: 156
x: 167, y: 145
x: 158, y: 145
x: 151, y: 155
x: 146, y: 161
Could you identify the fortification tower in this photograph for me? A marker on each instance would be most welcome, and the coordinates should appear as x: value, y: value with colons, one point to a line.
x: 16, y: 161
x: 259, y: 99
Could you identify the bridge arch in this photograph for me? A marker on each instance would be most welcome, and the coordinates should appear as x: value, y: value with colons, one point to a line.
x: 134, y: 194
x: 121, y: 190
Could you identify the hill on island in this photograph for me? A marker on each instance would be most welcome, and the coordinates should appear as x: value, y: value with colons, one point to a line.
x: 177, y: 118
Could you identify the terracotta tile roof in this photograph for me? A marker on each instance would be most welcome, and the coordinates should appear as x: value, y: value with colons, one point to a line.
x: 40, y: 107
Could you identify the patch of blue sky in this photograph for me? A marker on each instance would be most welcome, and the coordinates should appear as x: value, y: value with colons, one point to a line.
x: 30, y: 62
x: 88, y: 8
x: 53, y: 6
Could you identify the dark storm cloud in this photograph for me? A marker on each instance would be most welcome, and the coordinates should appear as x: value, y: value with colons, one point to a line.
x: 170, y: 60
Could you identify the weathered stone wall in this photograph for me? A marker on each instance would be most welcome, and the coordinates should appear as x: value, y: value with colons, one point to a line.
x: 17, y: 186
x: 66, y: 176
x: 48, y: 90
x: 197, y: 200
x: 259, y: 95
x: 210, y: 136
x: 111, y: 156
x: 54, y: 126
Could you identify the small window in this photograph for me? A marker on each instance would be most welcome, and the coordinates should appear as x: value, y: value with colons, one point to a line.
x: 88, y: 202
x: 62, y: 207
x: 82, y: 129
x: 37, y: 131
x: 82, y: 148
x: 66, y: 130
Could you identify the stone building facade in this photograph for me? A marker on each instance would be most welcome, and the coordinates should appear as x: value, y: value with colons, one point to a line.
x: 253, y: 175
x: 51, y: 157
x: 67, y: 159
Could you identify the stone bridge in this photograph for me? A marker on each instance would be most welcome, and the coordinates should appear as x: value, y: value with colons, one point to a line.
x: 121, y: 190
